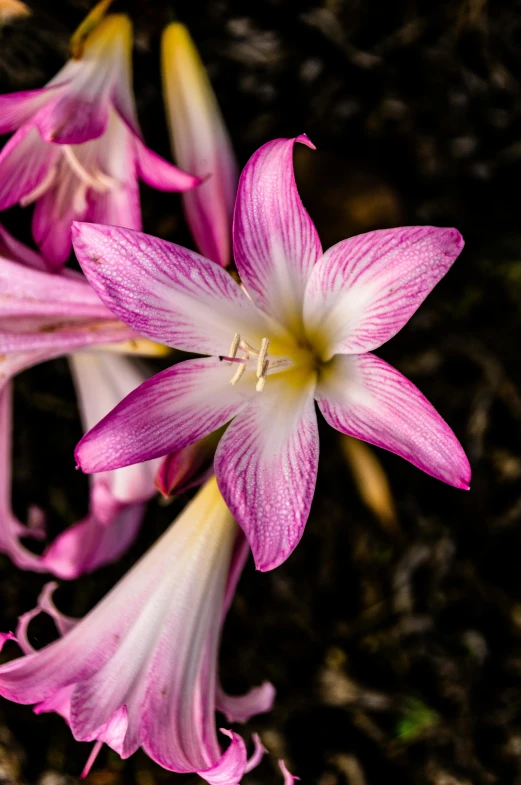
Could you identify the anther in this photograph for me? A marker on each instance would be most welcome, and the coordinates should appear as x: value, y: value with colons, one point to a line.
x: 262, y: 379
x: 235, y: 345
x: 261, y: 361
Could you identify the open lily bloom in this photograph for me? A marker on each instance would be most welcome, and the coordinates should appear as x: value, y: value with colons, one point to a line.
x: 304, y: 331
x: 140, y: 670
x: 78, y: 150
x: 200, y: 143
x: 44, y: 316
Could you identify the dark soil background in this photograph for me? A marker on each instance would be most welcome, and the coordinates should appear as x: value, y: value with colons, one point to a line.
x: 395, y: 649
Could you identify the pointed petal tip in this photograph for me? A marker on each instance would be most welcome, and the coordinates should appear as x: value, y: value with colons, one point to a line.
x: 304, y: 139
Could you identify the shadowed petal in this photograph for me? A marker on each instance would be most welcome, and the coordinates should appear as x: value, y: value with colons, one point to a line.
x: 365, y: 397
x: 365, y: 289
x: 275, y: 242
x: 266, y: 465
x: 173, y: 409
x: 71, y: 118
x: 159, y: 173
x: 90, y: 544
x: 166, y: 292
x: 239, y: 708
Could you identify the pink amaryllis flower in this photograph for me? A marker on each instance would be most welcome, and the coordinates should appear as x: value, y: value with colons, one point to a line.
x: 78, y: 151
x: 300, y: 329
x: 200, y: 143
x: 140, y: 670
x: 44, y: 316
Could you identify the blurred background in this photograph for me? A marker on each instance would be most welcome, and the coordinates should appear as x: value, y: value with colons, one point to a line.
x: 393, y: 633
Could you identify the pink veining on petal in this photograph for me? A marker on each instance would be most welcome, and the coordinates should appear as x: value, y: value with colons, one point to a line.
x: 266, y: 465
x: 173, y: 409
x: 165, y: 292
x: 140, y: 669
x: 365, y: 397
x: 275, y: 242
x: 365, y: 289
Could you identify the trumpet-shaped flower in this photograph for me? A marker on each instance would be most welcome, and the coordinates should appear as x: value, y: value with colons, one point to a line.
x: 304, y: 331
x: 44, y: 316
x: 140, y: 670
x: 200, y: 143
x: 78, y: 151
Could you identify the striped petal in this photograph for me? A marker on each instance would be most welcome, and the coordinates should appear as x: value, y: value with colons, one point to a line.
x: 266, y: 465
x: 365, y: 289
x: 140, y: 669
x: 363, y: 396
x: 166, y: 292
x: 173, y: 409
x: 275, y: 242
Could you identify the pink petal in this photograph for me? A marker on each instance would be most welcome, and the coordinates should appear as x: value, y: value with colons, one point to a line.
x: 363, y: 396
x: 289, y: 778
x: 240, y: 708
x: 72, y: 118
x: 188, y: 467
x: 365, y: 289
x: 17, y: 108
x: 28, y: 292
x: 53, y: 215
x: 91, y: 544
x: 165, y: 292
x: 169, y: 411
x: 52, y: 338
x: 200, y: 143
x: 275, y: 242
x: 160, y: 174
x: 266, y: 465
x: 231, y: 766
x: 24, y: 162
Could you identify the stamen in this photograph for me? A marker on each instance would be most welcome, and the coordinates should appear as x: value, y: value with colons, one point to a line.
x: 262, y: 379
x: 235, y: 345
x: 99, y: 181
x: 238, y: 373
x: 245, y: 346
x: 40, y: 189
x: 262, y: 357
x: 279, y: 363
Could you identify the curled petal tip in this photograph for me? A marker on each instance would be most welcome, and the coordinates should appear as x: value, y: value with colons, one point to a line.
x: 304, y: 139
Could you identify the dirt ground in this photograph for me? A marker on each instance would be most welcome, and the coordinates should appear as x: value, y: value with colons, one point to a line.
x: 394, y: 644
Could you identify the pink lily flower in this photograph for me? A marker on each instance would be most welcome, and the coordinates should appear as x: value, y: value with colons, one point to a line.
x: 44, y: 316
x: 140, y: 670
x: 78, y: 151
x: 301, y: 330
x: 200, y: 143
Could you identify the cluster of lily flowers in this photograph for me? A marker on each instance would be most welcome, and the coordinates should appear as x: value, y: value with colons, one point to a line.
x: 239, y: 421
